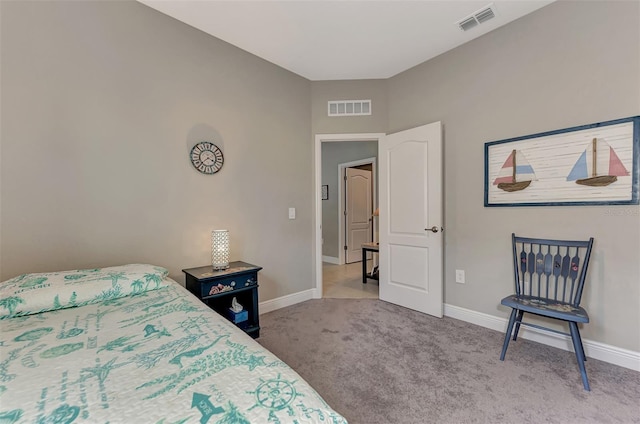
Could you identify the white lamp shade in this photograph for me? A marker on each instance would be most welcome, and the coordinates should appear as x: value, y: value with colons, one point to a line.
x: 220, y: 249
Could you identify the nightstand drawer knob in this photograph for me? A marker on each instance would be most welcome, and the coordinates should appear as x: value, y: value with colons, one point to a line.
x: 233, y: 284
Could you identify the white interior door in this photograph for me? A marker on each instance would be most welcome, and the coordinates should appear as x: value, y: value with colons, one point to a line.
x: 411, y: 239
x: 358, y: 207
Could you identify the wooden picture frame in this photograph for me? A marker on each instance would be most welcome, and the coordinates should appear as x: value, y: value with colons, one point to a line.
x: 594, y: 164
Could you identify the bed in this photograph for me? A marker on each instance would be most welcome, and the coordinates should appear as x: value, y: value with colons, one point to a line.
x: 128, y: 344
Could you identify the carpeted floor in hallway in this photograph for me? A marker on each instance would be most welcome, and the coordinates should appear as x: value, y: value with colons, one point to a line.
x: 377, y: 363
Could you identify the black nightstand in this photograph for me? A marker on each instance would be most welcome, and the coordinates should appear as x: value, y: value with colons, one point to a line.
x: 218, y: 288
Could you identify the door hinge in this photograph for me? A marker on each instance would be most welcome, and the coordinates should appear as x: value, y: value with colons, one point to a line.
x: 345, y: 248
x: 345, y: 213
x: 345, y: 178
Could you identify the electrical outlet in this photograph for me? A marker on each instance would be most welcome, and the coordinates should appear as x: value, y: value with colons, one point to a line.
x: 292, y: 213
x: 460, y: 276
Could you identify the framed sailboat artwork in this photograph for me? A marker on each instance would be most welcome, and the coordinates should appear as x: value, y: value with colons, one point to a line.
x: 586, y: 165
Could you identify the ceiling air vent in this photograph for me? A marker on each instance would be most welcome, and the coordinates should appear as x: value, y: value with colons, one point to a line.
x: 349, y: 107
x: 484, y: 15
x: 468, y: 23
x: 478, y: 17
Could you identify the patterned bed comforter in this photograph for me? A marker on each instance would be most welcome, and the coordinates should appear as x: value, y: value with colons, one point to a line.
x: 158, y: 356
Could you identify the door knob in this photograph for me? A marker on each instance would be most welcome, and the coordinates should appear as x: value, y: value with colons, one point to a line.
x: 433, y: 229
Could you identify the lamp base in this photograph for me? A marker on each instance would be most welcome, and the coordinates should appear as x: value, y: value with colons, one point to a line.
x: 220, y: 267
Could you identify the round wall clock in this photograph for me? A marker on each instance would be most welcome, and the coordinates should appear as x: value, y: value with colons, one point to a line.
x: 207, y: 157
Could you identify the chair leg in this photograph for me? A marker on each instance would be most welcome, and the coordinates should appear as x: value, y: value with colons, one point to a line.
x: 584, y: 356
x: 577, y: 346
x: 518, y: 321
x: 507, y: 336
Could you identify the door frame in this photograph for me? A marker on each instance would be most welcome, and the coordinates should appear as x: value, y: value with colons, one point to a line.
x: 342, y: 168
x: 317, y: 221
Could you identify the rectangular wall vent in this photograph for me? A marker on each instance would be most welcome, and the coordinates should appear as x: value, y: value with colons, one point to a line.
x: 478, y: 17
x: 349, y: 107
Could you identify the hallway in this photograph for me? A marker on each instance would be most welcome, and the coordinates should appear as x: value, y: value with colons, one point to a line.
x: 345, y: 282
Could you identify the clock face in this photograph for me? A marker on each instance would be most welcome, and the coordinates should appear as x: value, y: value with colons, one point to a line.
x: 207, y: 157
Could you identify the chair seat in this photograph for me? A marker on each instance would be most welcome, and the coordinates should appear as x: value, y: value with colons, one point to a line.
x: 546, y: 307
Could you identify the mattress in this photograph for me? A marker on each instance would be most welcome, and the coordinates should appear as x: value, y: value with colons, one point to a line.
x: 155, y: 356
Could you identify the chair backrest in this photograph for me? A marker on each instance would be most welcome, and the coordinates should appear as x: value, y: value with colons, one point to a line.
x: 551, y: 269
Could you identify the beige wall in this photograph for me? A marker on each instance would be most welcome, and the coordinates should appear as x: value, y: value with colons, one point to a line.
x: 568, y: 64
x: 101, y: 103
x: 333, y: 154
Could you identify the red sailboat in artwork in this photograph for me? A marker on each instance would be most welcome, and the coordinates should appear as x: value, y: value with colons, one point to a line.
x: 516, y: 173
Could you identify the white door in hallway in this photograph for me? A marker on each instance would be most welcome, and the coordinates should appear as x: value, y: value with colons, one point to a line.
x: 411, y: 239
x: 358, y: 208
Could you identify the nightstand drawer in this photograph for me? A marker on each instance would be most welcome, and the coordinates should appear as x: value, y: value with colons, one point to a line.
x: 222, y: 285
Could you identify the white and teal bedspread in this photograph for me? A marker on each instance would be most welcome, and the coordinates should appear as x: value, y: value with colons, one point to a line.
x: 156, y: 355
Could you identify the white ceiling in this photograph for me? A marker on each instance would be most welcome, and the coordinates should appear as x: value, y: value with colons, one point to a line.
x: 335, y: 40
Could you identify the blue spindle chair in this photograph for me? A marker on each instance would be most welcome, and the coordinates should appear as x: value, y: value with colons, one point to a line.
x: 549, y: 278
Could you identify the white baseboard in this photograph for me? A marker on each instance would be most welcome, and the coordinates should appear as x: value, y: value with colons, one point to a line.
x: 596, y: 350
x: 284, y: 301
x: 317, y: 293
x: 331, y: 260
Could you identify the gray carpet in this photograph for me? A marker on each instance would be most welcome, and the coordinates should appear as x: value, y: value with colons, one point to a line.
x: 378, y: 363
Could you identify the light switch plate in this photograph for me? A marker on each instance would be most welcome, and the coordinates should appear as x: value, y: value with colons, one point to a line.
x: 292, y: 213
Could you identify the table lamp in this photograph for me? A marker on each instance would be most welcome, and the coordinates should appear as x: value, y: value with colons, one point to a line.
x: 220, y: 249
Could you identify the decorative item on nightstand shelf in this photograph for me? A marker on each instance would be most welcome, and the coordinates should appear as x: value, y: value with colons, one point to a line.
x: 236, y: 312
x: 220, y: 249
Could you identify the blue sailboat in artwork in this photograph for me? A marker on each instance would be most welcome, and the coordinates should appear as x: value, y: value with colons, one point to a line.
x: 584, y: 171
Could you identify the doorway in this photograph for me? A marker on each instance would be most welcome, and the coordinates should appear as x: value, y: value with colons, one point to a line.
x: 357, y: 199
x: 337, y: 257
x: 411, y: 241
